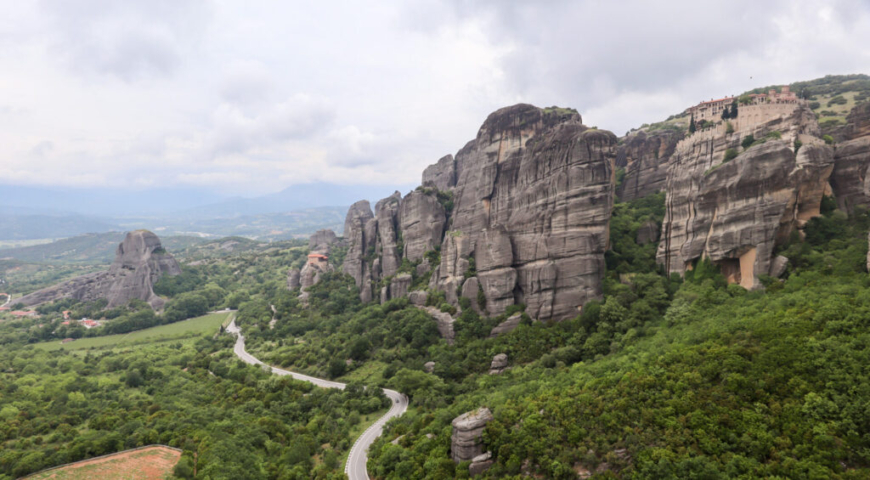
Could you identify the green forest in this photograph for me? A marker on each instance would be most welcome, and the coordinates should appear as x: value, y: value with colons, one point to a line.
x: 666, y: 378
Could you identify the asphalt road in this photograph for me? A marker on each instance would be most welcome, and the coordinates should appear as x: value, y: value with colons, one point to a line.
x: 355, y: 468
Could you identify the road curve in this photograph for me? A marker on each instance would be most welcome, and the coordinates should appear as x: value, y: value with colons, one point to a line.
x: 355, y: 468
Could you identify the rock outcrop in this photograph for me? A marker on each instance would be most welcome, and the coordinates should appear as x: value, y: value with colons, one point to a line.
x: 647, y: 233
x: 506, y: 326
x: 322, y: 241
x: 441, y: 175
x: 850, y: 180
x: 735, y: 212
x: 499, y: 364
x: 532, y: 204
x: 644, y: 156
x: 467, y: 439
x: 140, y: 261
x: 480, y: 464
x: 293, y: 279
x: 531, y: 198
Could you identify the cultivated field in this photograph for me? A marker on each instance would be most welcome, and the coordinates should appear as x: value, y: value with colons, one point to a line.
x: 174, y: 331
x: 150, y: 463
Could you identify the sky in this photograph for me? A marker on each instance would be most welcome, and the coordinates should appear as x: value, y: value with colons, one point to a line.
x: 249, y: 98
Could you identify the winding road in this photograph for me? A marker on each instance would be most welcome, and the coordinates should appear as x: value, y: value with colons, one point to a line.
x: 355, y: 468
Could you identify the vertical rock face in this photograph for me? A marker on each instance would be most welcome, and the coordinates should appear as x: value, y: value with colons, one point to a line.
x: 538, y: 185
x: 736, y: 212
x: 441, y: 175
x: 358, y: 216
x: 849, y: 181
x: 140, y: 261
x: 321, y: 241
x: 532, y: 196
x: 387, y: 214
x: 645, y: 159
x: 423, y: 220
x: 467, y: 439
x: 293, y: 279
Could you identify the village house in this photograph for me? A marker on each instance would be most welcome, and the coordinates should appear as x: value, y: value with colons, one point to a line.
x: 712, y: 110
x: 317, y: 259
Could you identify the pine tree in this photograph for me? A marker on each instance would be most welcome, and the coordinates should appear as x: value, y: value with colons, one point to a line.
x: 734, y: 109
x: 692, y: 125
x: 726, y: 114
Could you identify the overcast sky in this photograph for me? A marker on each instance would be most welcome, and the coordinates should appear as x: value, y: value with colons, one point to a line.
x: 252, y: 97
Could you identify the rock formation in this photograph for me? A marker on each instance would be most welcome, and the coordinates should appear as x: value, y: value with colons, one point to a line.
x: 480, y: 464
x: 322, y: 241
x: 467, y: 439
x: 850, y: 181
x: 644, y: 156
x: 532, y: 204
x: 735, y: 212
x: 140, y: 261
x: 506, y: 326
x: 293, y: 279
x: 499, y: 364
x: 647, y: 233
x: 532, y: 196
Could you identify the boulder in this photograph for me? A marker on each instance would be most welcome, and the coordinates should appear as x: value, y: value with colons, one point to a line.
x: 499, y: 364
x: 140, y: 260
x: 480, y: 464
x: 423, y: 220
x: 429, y: 367
x: 444, y: 322
x: 418, y: 297
x: 321, y: 241
x: 293, y: 279
x: 647, y: 233
x: 778, y: 266
x: 506, y: 326
x: 466, y: 443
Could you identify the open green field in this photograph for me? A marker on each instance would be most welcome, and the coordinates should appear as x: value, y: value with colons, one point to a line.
x: 174, y: 331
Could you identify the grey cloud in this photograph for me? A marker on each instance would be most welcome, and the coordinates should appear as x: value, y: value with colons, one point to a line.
x: 128, y: 40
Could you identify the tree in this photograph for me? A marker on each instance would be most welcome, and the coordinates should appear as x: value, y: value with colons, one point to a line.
x: 692, y: 125
x: 726, y: 114
x: 734, y: 109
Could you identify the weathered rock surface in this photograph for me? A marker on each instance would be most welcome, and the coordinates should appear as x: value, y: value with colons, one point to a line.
x: 311, y: 274
x: 321, y: 241
x: 645, y: 155
x: 140, y: 261
x: 429, y: 367
x: 506, y: 326
x: 850, y: 180
x: 647, y: 233
x: 480, y: 464
x: 441, y: 175
x: 387, y: 215
x: 467, y: 439
x: 470, y: 289
x: 418, y: 298
x: 499, y: 364
x: 399, y: 285
x: 444, y: 322
x: 358, y: 216
x: 423, y: 220
x: 736, y: 212
x: 538, y: 184
x: 778, y: 266
x: 293, y: 279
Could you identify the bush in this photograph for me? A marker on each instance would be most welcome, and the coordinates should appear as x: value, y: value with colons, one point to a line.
x: 838, y: 100
x: 828, y: 139
x: 815, y: 105
x: 729, y: 128
x: 730, y: 154
x: 747, y: 141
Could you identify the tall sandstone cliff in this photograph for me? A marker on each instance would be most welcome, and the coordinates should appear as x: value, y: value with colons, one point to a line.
x: 531, y: 202
x: 645, y: 156
x: 140, y: 261
x: 735, y: 212
x: 850, y: 180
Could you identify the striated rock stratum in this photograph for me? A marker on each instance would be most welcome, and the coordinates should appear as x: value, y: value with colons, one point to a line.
x: 518, y: 215
x: 735, y: 211
x: 140, y: 261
